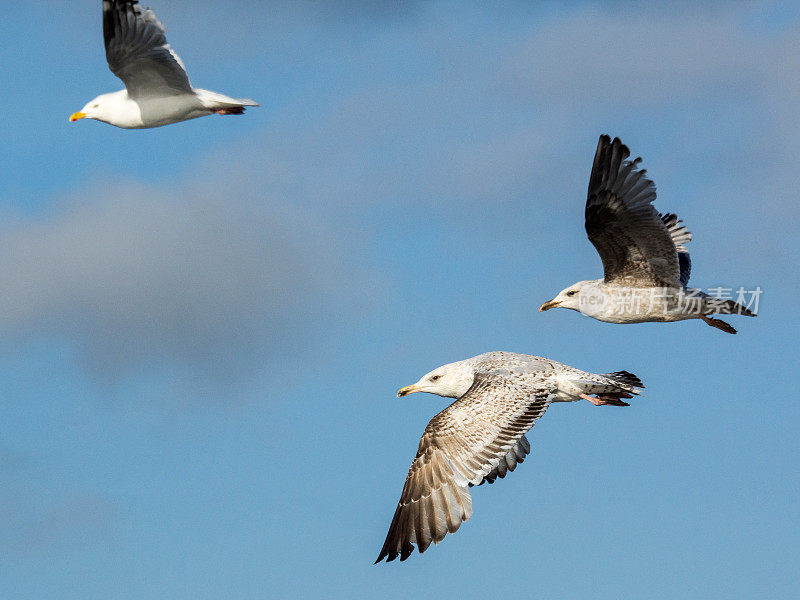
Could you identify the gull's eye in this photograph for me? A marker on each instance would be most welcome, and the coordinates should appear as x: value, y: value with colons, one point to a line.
x: 435, y: 377
x: 572, y: 292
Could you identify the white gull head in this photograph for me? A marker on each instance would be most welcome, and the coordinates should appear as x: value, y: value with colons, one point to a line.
x: 451, y: 380
x: 114, y: 108
x: 588, y: 297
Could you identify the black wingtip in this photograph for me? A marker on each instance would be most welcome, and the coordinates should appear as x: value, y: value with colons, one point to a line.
x: 605, y: 142
x: 390, y: 556
x: 385, y: 553
x: 608, y: 157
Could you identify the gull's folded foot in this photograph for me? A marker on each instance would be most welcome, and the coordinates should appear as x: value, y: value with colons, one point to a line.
x: 231, y: 110
x: 610, y: 399
x: 595, y: 401
x: 718, y: 323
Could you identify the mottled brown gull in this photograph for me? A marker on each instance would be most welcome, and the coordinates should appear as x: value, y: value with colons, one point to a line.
x: 646, y: 264
x: 481, y: 436
x: 157, y: 89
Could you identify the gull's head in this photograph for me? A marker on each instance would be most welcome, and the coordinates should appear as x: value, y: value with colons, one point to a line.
x: 451, y: 381
x: 101, y: 108
x: 574, y: 297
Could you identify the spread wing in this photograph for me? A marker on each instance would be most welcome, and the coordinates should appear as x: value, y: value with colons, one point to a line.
x: 479, y: 437
x: 138, y: 53
x: 637, y: 245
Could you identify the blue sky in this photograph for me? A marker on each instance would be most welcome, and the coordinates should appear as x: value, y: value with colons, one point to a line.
x: 203, y: 326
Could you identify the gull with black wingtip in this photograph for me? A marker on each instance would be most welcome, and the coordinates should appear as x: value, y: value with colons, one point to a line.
x: 645, y: 261
x: 157, y: 89
x: 481, y: 436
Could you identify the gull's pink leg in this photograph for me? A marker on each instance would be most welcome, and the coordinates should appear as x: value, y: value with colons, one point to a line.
x: 611, y: 398
x: 231, y: 110
x: 595, y: 401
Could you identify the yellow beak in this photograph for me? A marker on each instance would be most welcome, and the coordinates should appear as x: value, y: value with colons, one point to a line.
x: 548, y: 305
x: 76, y: 116
x: 409, y: 389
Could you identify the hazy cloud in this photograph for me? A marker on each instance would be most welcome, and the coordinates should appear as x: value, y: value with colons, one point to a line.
x: 29, y: 525
x: 209, y: 280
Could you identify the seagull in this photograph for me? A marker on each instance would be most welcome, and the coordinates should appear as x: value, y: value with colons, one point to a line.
x: 646, y: 264
x: 157, y: 89
x: 481, y: 436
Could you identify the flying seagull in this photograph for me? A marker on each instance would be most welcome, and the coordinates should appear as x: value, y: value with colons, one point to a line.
x: 481, y: 436
x: 645, y: 261
x: 157, y: 89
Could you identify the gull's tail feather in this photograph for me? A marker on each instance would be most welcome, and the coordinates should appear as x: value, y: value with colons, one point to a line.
x: 611, y: 388
x: 625, y: 378
x: 225, y: 104
x: 731, y: 307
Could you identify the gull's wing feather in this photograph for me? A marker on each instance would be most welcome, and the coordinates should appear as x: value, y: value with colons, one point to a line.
x: 470, y: 441
x: 510, y: 461
x: 680, y: 237
x: 138, y: 52
x: 636, y: 246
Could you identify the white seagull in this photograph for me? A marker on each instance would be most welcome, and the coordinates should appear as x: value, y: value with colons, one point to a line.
x: 481, y: 436
x: 157, y: 90
x: 646, y: 264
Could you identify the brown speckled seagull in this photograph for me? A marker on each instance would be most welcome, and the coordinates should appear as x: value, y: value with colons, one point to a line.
x: 646, y: 264
x: 481, y: 436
